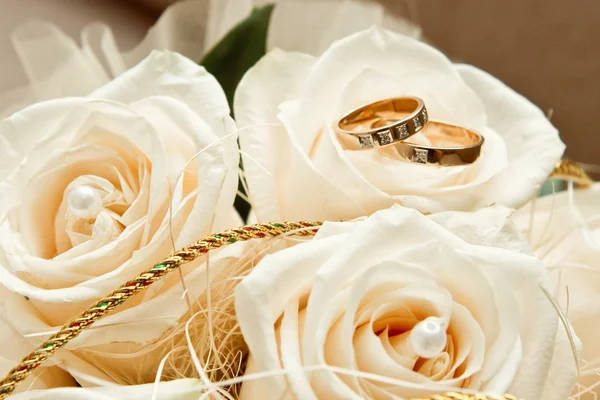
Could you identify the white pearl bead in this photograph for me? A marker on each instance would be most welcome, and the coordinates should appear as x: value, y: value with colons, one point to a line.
x: 428, y: 337
x: 84, y: 202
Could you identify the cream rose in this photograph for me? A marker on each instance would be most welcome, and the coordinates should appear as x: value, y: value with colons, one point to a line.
x: 182, y: 389
x: 564, y: 230
x: 402, y: 306
x: 86, y: 188
x: 289, y: 103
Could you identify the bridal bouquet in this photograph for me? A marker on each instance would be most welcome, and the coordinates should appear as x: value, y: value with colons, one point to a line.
x: 295, y: 201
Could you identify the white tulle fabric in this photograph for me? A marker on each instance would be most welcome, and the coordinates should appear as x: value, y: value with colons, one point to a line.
x: 289, y: 104
x: 564, y: 230
x: 349, y: 299
x: 310, y: 26
x: 56, y: 66
x: 129, y: 141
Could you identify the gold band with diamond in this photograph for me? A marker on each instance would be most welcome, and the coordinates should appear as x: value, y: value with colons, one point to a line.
x: 360, y: 129
x: 451, y: 145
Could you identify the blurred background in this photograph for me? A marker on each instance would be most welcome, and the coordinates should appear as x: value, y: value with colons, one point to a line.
x: 548, y: 50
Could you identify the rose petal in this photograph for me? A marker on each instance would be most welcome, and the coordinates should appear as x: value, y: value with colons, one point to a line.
x: 181, y: 389
x: 533, y: 144
x: 290, y: 334
x: 489, y: 226
x: 256, y: 105
x: 254, y: 292
x: 171, y: 74
x: 39, y: 121
x: 217, y: 163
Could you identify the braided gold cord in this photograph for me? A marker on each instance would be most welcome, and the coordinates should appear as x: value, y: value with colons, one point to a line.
x: 461, y: 396
x: 99, y: 309
x: 570, y: 170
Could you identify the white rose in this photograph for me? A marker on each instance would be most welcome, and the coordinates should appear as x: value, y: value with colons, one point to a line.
x: 564, y: 230
x: 181, y: 389
x: 191, y: 28
x: 357, y: 296
x: 119, y: 153
x: 296, y: 169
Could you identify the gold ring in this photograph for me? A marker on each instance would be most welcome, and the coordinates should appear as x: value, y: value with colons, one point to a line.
x: 447, y: 145
x: 451, y: 145
x: 404, y: 117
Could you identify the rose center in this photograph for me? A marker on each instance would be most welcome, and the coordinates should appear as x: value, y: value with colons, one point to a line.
x: 91, y: 211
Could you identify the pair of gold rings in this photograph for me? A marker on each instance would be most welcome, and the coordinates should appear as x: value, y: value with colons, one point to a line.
x: 387, y: 125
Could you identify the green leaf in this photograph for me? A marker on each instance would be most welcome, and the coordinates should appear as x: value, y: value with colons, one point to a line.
x: 239, y: 50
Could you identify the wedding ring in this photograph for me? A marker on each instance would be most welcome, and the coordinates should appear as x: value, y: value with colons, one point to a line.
x: 446, y: 145
x: 406, y: 116
x: 451, y: 145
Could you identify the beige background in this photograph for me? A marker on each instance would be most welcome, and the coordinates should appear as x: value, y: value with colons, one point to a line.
x: 549, y: 50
